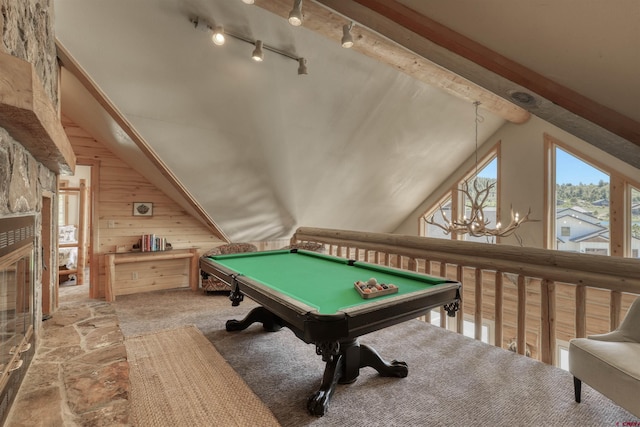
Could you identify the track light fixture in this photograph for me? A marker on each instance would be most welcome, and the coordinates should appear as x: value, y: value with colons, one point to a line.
x: 295, y: 16
x: 302, y: 66
x: 217, y: 33
x: 218, y: 36
x: 347, y: 39
x: 257, y: 54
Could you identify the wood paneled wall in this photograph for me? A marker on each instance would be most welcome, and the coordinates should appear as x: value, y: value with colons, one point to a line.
x: 118, y: 187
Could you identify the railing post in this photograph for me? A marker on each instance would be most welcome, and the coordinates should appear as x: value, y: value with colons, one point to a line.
x: 581, y: 311
x: 499, y: 295
x: 477, y: 318
x: 522, y: 315
x: 548, y: 320
x: 460, y: 312
x: 614, y: 310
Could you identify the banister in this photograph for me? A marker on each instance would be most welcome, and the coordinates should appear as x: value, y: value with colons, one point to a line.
x: 613, y: 273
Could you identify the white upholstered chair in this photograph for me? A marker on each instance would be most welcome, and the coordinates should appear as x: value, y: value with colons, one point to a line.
x: 610, y: 363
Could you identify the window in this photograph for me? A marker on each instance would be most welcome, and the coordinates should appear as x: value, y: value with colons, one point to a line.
x: 562, y: 354
x: 442, y: 210
x: 453, y: 200
x: 580, y: 188
x: 487, y: 180
x: 582, y: 205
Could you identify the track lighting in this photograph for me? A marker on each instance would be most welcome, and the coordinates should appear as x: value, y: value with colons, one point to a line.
x: 257, y: 54
x: 302, y: 66
x: 295, y: 16
x: 218, y: 35
x: 347, y: 39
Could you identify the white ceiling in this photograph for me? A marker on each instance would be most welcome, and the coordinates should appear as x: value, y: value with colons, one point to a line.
x: 354, y: 144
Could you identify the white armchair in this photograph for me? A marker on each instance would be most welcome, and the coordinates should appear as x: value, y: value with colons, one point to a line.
x: 610, y: 363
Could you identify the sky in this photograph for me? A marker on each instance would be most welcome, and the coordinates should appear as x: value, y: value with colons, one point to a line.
x: 570, y: 169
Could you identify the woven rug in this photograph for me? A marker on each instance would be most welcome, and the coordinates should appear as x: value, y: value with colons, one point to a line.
x: 179, y: 379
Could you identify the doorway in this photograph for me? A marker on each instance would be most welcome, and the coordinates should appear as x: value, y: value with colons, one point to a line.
x: 74, y: 212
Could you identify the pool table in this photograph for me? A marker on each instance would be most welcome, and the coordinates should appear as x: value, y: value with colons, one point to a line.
x: 314, y: 295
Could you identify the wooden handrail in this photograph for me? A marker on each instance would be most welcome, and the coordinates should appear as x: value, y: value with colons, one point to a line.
x: 617, y: 274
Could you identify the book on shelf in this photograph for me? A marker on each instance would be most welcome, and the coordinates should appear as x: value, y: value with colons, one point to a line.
x: 153, y: 243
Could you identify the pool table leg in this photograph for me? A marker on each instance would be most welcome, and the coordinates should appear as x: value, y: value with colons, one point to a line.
x: 343, y: 367
x: 318, y: 402
x: 270, y: 322
x: 370, y: 357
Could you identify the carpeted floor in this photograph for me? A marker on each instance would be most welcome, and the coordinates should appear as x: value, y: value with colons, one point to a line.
x: 453, y: 380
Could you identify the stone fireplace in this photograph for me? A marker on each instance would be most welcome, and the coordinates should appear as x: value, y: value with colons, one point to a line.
x: 34, y: 151
x: 17, y: 314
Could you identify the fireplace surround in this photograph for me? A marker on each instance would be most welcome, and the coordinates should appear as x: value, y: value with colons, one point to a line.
x: 17, y: 303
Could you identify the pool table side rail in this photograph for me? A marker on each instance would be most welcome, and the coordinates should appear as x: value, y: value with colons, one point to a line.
x: 291, y: 310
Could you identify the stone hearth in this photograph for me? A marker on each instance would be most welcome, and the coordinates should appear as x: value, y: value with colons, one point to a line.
x: 80, y: 374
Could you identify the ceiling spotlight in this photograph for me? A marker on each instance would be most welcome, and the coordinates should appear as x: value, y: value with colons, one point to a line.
x: 218, y: 35
x: 347, y: 40
x: 257, y: 54
x: 302, y: 66
x: 248, y: 1
x: 295, y: 16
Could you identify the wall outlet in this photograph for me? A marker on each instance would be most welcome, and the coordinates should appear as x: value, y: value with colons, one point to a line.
x: 134, y: 275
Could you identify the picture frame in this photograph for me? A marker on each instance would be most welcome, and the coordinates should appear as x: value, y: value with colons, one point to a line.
x: 142, y: 209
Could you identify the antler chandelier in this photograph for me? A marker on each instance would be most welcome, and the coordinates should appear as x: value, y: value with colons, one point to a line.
x: 477, y: 224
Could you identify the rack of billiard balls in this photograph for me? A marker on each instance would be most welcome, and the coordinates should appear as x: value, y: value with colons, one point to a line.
x: 371, y: 288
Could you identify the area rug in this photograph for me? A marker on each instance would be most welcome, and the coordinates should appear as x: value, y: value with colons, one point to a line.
x: 179, y: 379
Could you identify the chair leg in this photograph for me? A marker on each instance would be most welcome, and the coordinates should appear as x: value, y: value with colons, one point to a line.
x: 577, y: 387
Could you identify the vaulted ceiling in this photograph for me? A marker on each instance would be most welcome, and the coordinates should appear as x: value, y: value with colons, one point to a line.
x: 369, y: 132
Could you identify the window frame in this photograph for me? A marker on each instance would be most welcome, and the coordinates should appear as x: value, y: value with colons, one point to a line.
x: 620, y: 186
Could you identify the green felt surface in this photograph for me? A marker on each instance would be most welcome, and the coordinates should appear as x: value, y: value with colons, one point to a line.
x: 320, y: 281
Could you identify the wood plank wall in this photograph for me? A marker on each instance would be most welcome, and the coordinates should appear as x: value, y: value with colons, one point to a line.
x: 119, y: 187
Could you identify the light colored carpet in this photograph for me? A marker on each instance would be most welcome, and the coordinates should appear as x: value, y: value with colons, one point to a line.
x: 179, y: 379
x: 453, y: 380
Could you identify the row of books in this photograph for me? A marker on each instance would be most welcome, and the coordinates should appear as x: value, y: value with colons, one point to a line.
x: 153, y: 243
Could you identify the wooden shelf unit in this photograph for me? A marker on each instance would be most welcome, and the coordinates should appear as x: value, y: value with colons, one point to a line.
x: 155, y: 263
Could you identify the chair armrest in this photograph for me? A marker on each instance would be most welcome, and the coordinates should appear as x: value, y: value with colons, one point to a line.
x: 613, y: 336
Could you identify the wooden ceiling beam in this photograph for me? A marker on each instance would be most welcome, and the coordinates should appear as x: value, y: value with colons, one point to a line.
x: 322, y: 20
x: 411, y: 29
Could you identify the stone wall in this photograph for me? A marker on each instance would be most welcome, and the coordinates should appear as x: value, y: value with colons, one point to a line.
x: 27, y: 33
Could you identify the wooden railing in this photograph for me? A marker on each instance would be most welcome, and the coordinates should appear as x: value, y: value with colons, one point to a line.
x: 524, y: 273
